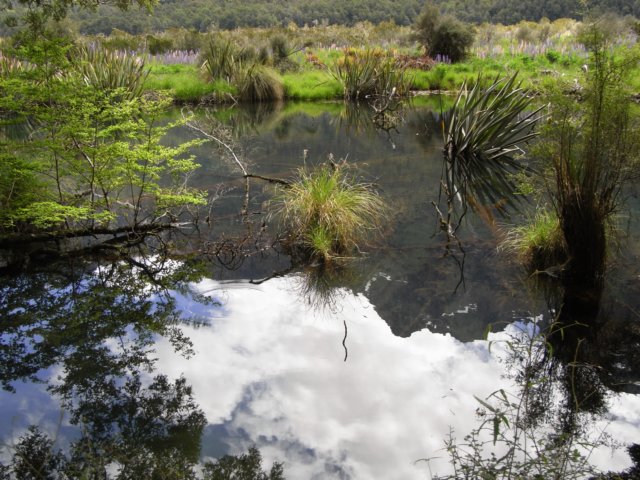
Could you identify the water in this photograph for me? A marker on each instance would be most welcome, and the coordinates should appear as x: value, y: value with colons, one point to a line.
x: 359, y: 374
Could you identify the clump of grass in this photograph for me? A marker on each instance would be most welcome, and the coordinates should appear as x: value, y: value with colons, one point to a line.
x: 185, y: 83
x: 311, y: 85
x: 539, y: 242
x: 258, y: 83
x: 328, y: 213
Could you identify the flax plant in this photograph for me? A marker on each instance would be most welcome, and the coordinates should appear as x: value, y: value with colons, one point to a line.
x: 370, y: 73
x: 484, y: 142
x: 111, y: 70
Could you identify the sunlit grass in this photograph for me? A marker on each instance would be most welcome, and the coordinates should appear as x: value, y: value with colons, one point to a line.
x: 311, y: 85
x: 185, y: 83
x: 328, y: 212
x: 538, y: 243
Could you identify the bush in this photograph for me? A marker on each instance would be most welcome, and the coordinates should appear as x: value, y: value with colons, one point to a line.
x: 111, y: 70
x: 443, y: 35
x: 370, y: 72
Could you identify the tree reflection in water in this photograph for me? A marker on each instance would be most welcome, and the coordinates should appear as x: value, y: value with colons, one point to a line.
x: 96, y: 321
x: 565, y: 371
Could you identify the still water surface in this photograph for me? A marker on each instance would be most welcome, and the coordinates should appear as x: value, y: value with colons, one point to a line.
x: 358, y: 375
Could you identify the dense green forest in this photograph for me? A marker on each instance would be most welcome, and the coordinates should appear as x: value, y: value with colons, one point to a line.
x: 203, y: 15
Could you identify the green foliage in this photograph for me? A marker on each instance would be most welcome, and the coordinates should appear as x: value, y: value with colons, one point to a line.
x: 485, y: 136
x: 258, y: 83
x: 245, y: 466
x: 311, y: 85
x: 328, y: 212
x: 95, y: 152
x: 220, y: 59
x: 538, y: 243
x: 371, y: 72
x: 110, y: 70
x: 593, y: 148
x: 443, y: 34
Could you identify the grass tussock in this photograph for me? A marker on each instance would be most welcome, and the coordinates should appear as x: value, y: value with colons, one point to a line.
x: 328, y: 213
x: 258, y: 83
x: 538, y: 243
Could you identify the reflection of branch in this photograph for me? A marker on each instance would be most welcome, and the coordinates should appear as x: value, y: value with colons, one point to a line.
x: 215, y: 138
x: 278, y: 274
x: 346, y: 352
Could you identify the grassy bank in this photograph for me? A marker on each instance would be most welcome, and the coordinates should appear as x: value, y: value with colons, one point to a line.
x: 305, y: 61
x: 186, y: 83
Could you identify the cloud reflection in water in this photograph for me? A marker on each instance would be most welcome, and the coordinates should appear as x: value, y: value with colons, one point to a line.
x: 271, y: 370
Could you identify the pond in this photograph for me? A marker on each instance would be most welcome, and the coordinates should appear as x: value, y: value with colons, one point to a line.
x: 144, y: 361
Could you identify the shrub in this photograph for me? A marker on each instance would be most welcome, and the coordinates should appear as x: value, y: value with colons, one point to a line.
x: 443, y: 35
x: 157, y: 45
x: 552, y: 56
x: 220, y: 59
x: 593, y: 148
x: 370, y: 72
x: 328, y: 213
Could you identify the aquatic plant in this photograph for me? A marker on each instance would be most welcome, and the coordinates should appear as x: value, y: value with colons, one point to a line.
x: 328, y: 212
x: 484, y: 142
x: 593, y: 148
x: 538, y: 428
x: 539, y: 242
x: 258, y: 83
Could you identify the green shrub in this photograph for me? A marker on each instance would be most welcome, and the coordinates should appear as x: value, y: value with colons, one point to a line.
x: 370, y: 72
x: 552, y: 56
x: 328, y: 213
x: 218, y: 59
x: 443, y: 35
x: 158, y: 45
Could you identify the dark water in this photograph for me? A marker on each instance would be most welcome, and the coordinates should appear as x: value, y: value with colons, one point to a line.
x: 146, y: 360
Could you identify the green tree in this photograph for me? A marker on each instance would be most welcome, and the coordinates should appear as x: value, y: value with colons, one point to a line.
x: 593, y: 147
x: 442, y: 34
x: 94, y: 153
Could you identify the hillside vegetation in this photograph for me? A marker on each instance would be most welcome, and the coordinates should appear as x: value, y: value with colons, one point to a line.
x: 205, y: 15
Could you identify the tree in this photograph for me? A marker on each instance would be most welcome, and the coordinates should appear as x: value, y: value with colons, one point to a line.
x: 95, y: 152
x: 442, y: 34
x: 593, y: 148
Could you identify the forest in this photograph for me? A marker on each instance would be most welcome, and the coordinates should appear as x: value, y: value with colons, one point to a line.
x: 204, y: 15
